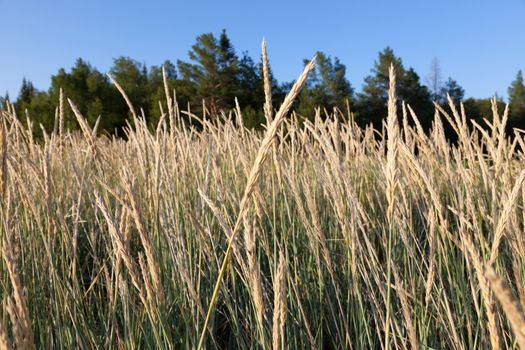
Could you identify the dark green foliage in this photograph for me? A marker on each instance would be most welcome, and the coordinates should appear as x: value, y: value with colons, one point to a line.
x: 326, y: 87
x: 372, y: 102
x: 479, y: 109
x: 156, y: 92
x: 36, y: 106
x: 517, y: 102
x: 92, y: 93
x: 417, y: 96
x: 250, y: 92
x: 4, y: 100
x: 216, y: 75
x: 452, y: 89
x: 133, y: 77
x: 213, y: 71
x: 27, y: 93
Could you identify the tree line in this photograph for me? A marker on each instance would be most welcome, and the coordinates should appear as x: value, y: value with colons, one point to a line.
x: 216, y: 75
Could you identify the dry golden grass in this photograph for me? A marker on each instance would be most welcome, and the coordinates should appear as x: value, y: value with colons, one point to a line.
x: 345, y: 238
x: 512, y: 307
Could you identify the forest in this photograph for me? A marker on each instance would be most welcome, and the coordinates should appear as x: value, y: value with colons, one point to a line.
x: 216, y: 75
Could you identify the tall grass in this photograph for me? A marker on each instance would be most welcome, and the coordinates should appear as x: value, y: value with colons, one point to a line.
x: 343, y: 238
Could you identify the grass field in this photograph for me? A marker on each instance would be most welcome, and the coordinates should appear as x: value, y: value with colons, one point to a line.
x: 340, y: 237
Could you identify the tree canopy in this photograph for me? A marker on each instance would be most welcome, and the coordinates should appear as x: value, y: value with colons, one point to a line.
x: 372, y: 101
x: 327, y: 87
x: 216, y: 75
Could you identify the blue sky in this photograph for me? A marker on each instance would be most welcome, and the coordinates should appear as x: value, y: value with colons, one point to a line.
x: 480, y: 43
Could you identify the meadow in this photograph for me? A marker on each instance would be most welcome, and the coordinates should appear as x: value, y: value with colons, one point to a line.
x: 307, y: 235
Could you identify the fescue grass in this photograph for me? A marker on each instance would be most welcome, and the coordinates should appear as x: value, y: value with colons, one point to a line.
x: 342, y: 238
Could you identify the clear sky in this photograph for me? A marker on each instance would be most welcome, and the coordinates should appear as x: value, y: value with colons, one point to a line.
x: 480, y: 43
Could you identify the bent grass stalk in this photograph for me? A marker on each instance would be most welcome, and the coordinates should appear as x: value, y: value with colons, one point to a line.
x: 512, y: 307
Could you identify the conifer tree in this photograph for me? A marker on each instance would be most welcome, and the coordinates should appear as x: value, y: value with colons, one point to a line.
x: 213, y: 71
x: 372, y: 101
x: 516, y: 93
x: 26, y: 95
x: 327, y: 87
x: 452, y: 89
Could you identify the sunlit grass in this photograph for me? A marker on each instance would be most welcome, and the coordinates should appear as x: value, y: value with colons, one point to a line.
x: 349, y: 238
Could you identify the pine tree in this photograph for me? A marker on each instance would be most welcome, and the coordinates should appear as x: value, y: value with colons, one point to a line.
x: 4, y: 100
x: 214, y: 71
x: 452, y: 89
x: 516, y: 93
x: 479, y: 109
x: 156, y: 92
x: 26, y: 95
x: 250, y: 92
x: 93, y: 95
x: 371, y: 105
x: 228, y: 70
x: 133, y: 77
x: 327, y: 87
x: 38, y: 106
x: 372, y: 102
x: 417, y: 96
